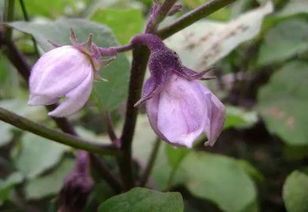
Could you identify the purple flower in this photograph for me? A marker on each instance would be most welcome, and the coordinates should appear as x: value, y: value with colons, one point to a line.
x: 183, y: 110
x: 178, y: 106
x: 66, y: 71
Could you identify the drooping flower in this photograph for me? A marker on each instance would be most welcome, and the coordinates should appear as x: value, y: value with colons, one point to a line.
x: 178, y: 106
x: 66, y: 71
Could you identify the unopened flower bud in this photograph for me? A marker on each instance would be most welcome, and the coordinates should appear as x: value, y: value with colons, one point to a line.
x: 77, y: 186
x: 66, y: 71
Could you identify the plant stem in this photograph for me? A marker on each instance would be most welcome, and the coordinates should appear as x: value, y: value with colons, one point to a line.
x: 57, y: 136
x: 17, y: 59
x: 139, y: 64
x: 193, y: 16
x: 110, y: 129
x: 145, y: 176
x: 162, y: 13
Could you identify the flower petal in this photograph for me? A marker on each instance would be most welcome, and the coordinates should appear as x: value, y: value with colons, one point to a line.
x: 41, y: 100
x: 75, y: 99
x: 59, y: 71
x: 215, y: 116
x: 181, y: 111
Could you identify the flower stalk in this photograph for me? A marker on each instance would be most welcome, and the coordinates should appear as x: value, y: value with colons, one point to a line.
x: 56, y: 136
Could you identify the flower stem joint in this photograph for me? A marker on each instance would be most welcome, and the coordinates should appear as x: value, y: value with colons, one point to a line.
x: 178, y: 106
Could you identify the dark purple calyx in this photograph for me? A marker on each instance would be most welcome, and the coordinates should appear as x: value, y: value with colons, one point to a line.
x: 163, y: 62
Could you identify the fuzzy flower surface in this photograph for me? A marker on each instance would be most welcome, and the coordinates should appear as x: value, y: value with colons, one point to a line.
x: 65, y: 73
x: 179, y: 107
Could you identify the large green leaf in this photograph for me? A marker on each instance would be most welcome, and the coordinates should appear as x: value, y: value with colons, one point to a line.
x: 205, y: 42
x: 283, y: 103
x: 295, y: 7
x: 124, y: 23
x: 109, y: 94
x: 142, y: 199
x: 219, y: 179
x: 50, y: 184
x: 295, y: 192
x: 37, y: 155
x: 281, y: 43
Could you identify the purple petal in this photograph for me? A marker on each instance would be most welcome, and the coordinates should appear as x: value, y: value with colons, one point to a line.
x: 59, y: 71
x: 178, y: 111
x: 41, y: 100
x: 75, y: 99
x: 215, y: 116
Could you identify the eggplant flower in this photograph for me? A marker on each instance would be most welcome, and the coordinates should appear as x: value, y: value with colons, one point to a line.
x: 66, y: 71
x: 178, y: 106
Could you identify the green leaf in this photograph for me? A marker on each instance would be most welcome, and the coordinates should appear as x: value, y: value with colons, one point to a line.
x: 7, y: 185
x: 50, y: 184
x: 5, y: 132
x: 54, y: 8
x: 108, y: 95
x: 124, y: 23
x: 37, y: 155
x: 176, y: 154
x: 20, y: 107
x: 220, y: 179
x: 281, y: 43
x: 142, y: 199
x: 205, y: 42
x: 293, y: 8
x: 295, y: 192
x: 283, y: 103
x: 238, y: 117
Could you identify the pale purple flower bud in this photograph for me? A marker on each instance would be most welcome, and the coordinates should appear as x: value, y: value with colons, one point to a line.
x: 67, y: 71
x: 179, y: 107
x: 183, y: 110
x: 62, y: 72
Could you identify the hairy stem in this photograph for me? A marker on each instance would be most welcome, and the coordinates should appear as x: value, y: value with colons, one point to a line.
x: 57, y: 136
x: 161, y: 14
x: 193, y: 16
x: 139, y: 63
x: 148, y: 169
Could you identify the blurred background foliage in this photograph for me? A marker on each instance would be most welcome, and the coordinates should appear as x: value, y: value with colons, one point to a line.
x: 260, y: 162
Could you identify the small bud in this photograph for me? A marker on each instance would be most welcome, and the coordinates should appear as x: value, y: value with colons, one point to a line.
x: 66, y: 71
x: 61, y: 72
x: 77, y: 186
